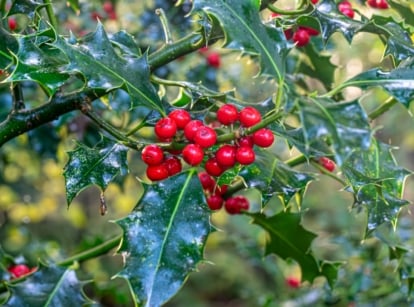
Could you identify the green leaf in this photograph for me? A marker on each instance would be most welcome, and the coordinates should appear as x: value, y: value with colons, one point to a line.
x: 245, y: 31
x: 95, y: 58
x: 344, y: 125
x: 164, y: 238
x: 26, y: 7
x: 289, y: 240
x: 8, y: 46
x: 377, y: 183
x: 48, y: 286
x: 272, y: 177
x: 94, y: 166
x: 399, y: 82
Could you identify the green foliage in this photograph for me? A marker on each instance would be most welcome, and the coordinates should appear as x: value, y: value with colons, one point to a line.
x: 118, y: 83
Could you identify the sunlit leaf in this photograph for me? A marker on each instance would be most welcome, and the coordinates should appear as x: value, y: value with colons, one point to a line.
x: 164, y: 238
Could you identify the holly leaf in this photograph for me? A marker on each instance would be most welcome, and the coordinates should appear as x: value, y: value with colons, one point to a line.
x: 101, y: 67
x: 164, y: 238
x: 26, y: 7
x: 345, y: 125
x: 48, y: 286
x: 244, y: 30
x: 272, y: 177
x: 399, y: 82
x: 94, y: 166
x: 8, y: 46
x: 377, y: 183
x: 289, y: 240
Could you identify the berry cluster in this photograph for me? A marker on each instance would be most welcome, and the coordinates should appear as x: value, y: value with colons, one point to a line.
x: 20, y: 270
x: 378, y: 4
x: 215, y: 196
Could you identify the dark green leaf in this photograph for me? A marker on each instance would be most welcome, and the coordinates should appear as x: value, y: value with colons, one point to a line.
x: 289, y: 240
x: 344, y: 124
x: 245, y: 31
x: 8, y: 46
x: 272, y: 177
x: 99, y: 166
x: 95, y: 58
x: 48, y: 286
x: 399, y: 82
x: 164, y: 238
x: 404, y: 9
x: 377, y: 183
x: 126, y: 43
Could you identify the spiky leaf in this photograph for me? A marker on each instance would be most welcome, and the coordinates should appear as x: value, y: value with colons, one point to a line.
x: 48, y: 286
x: 164, y: 238
x: 93, y: 166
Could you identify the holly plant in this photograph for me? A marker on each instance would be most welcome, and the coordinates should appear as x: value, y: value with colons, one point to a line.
x: 219, y: 110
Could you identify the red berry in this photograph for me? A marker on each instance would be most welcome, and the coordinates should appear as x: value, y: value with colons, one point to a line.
x: 207, y: 182
x: 344, y: 5
x: 203, y: 49
x: 288, y: 33
x: 246, y: 141
x: 96, y: 16
x: 227, y: 114
x: 348, y: 12
x: 19, y: 270
x: 226, y: 155
x: 245, y: 155
x: 173, y: 165
x: 274, y: 15
x: 213, y: 167
x: 108, y: 7
x: 293, y: 282
x: 234, y: 205
x: 372, y: 3
x: 222, y: 189
x: 215, y: 202
x: 327, y: 164
x: 205, y: 137
x: 193, y: 154
x: 181, y: 117
x: 249, y: 116
x: 112, y: 16
x: 12, y: 24
x: 314, y: 1
x: 191, y: 129
x: 263, y: 137
x: 382, y: 4
x: 301, y: 37
x: 165, y: 128
x: 311, y: 31
x: 213, y: 59
x: 152, y: 155
x: 157, y: 172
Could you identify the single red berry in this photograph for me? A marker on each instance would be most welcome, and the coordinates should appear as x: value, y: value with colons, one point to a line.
x: 227, y: 114
x: 249, y: 116
x: 226, y: 155
x: 274, y: 15
x: 203, y: 49
x: 12, y: 23
x: 311, y: 31
x: 327, y: 164
x: 372, y: 3
x: 245, y: 155
x: 207, y: 182
x: 193, y: 154
x: 157, y: 172
x: 382, y: 4
x: 348, y: 12
x: 293, y: 282
x: 152, y: 155
x: 234, y: 205
x: 108, y: 7
x: 301, y: 37
x: 191, y: 128
x: 246, y: 141
x: 288, y: 33
x: 263, y: 137
x: 213, y: 60
x: 222, y: 189
x: 205, y: 137
x: 314, y: 1
x: 213, y: 167
x: 215, y: 202
x: 344, y: 5
x: 19, y: 270
x: 165, y: 128
x: 173, y: 165
x: 181, y: 117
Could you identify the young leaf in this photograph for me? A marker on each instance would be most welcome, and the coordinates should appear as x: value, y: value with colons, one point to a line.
x: 289, y: 240
x: 377, y: 182
x: 88, y: 166
x: 48, y: 286
x: 346, y: 124
x: 245, y: 31
x: 272, y: 177
x: 164, y: 238
x: 95, y: 58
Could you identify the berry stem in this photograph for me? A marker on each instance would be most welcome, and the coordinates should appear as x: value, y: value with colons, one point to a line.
x: 381, y: 109
x: 165, y: 26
